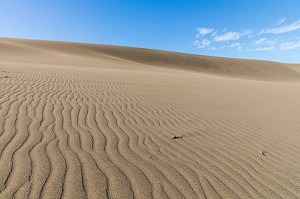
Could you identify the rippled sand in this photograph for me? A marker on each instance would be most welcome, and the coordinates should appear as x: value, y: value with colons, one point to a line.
x: 97, y: 121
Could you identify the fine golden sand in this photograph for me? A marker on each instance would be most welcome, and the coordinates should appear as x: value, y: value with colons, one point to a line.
x: 98, y: 121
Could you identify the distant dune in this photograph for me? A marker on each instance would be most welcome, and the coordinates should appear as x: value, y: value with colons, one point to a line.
x: 98, y: 121
x: 93, y: 55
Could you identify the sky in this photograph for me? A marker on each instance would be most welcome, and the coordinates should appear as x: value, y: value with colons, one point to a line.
x: 250, y: 29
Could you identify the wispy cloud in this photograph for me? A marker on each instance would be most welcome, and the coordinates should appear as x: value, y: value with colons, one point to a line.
x: 266, y: 41
x: 224, y: 30
x: 281, y: 21
x: 250, y: 40
x: 265, y: 49
x: 282, y: 29
x: 232, y: 45
x: 259, y: 49
x: 259, y: 41
x: 214, y: 33
x: 201, y: 44
x: 229, y: 36
x: 290, y: 45
x: 203, y: 31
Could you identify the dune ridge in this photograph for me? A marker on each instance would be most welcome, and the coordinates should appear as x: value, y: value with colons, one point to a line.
x: 93, y: 54
x: 96, y: 121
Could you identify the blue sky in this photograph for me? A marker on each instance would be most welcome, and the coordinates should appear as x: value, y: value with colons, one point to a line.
x: 254, y: 29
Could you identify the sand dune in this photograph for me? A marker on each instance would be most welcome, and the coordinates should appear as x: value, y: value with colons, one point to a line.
x: 98, y: 121
x: 92, y: 55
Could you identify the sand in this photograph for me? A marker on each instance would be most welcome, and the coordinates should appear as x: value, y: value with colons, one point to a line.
x: 98, y: 121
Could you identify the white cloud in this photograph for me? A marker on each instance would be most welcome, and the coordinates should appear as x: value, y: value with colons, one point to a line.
x: 214, y: 33
x: 265, y: 49
x: 290, y: 45
x: 224, y: 30
x: 204, y: 31
x: 282, y: 29
x: 196, y: 42
x: 281, y: 21
x: 250, y: 40
x: 202, y: 44
x: 233, y: 45
x: 236, y: 45
x: 266, y: 41
x: 260, y: 49
x: 247, y: 33
x: 260, y: 41
x: 227, y: 36
x: 205, y: 43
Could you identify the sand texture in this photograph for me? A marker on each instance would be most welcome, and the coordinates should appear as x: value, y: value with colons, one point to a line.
x: 98, y: 121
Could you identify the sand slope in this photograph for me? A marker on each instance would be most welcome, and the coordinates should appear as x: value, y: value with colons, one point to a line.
x: 96, y: 121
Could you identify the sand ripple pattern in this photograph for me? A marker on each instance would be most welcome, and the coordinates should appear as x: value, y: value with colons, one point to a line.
x: 68, y: 132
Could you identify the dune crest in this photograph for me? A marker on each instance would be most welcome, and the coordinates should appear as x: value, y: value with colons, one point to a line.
x: 97, y: 121
x: 93, y: 54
